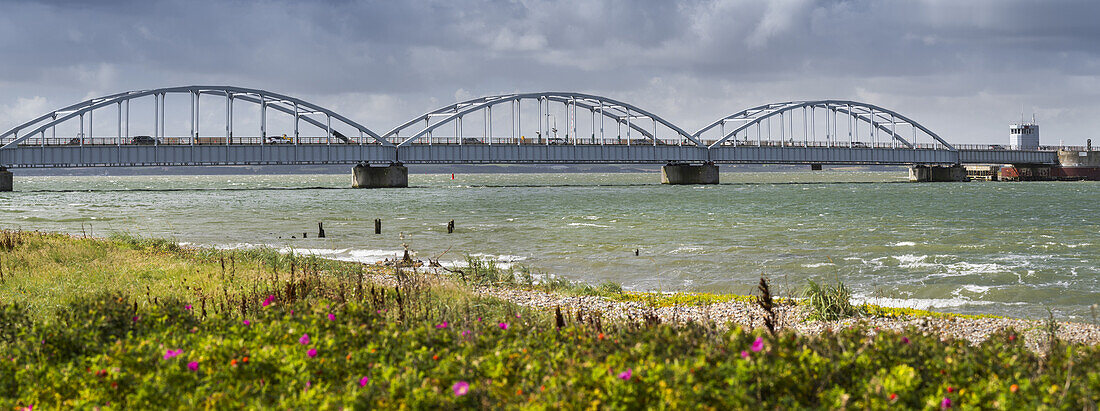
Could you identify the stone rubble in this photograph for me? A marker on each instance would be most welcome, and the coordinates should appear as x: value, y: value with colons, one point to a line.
x: 736, y: 313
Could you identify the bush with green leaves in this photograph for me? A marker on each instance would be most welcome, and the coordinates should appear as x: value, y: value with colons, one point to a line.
x: 318, y: 336
x: 828, y: 302
x: 368, y: 354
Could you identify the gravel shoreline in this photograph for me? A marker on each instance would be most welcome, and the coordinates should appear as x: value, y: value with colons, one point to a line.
x: 743, y: 314
x: 736, y: 313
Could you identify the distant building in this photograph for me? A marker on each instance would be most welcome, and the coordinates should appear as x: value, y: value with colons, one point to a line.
x: 1024, y: 136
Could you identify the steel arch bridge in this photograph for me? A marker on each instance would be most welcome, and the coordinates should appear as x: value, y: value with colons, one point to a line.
x: 506, y: 128
x: 638, y: 136
x: 35, y: 143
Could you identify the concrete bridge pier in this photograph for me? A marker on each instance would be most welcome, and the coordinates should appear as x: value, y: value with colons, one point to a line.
x: 5, y: 180
x: 394, y: 175
x: 689, y: 174
x: 923, y: 174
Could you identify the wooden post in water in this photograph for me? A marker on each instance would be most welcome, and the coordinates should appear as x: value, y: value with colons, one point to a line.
x: 305, y: 235
x: 451, y: 226
x: 378, y: 226
x: 320, y: 230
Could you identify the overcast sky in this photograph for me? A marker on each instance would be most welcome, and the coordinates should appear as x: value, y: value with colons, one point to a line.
x: 964, y: 69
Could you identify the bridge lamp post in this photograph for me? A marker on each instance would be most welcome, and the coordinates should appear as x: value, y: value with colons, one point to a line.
x: 191, y: 99
x: 119, y: 107
x: 263, y: 119
x: 628, y: 127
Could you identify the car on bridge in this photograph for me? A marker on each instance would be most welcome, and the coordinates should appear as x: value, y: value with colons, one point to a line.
x: 144, y: 141
x: 645, y: 142
x: 471, y: 140
x: 283, y: 139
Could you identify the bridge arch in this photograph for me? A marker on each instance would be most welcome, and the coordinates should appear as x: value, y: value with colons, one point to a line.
x: 876, y: 119
x: 300, y: 109
x: 621, y: 113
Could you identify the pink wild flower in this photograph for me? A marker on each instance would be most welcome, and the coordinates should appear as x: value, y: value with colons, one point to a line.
x: 193, y: 366
x: 745, y: 354
x: 625, y: 375
x: 441, y: 326
x: 304, y: 340
x: 946, y: 403
x: 503, y: 326
x: 312, y: 352
x: 905, y: 340
x: 171, y: 353
x: 268, y: 300
x: 465, y: 333
x: 758, y: 344
x: 187, y: 307
x: 461, y: 388
x: 363, y: 381
x: 246, y: 322
x: 331, y: 317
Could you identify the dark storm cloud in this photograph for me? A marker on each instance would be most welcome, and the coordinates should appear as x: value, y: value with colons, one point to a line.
x: 963, y: 68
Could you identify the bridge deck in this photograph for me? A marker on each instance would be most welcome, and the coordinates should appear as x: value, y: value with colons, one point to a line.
x: 105, y: 155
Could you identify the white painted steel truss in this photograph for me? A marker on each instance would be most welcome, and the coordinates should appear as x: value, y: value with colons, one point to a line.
x: 813, y: 114
x: 635, y: 119
x: 301, y: 110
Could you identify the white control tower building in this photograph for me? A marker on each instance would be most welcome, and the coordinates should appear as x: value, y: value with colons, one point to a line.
x: 1024, y: 136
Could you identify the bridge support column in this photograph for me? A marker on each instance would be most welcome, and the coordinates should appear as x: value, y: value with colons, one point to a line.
x: 391, y: 176
x: 5, y: 180
x: 688, y: 174
x: 923, y: 174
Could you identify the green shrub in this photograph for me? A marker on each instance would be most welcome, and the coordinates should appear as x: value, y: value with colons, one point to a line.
x: 414, y: 363
x: 828, y: 302
x: 407, y: 346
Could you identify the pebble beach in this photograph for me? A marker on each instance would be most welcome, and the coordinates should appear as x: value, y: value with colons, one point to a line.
x: 790, y: 317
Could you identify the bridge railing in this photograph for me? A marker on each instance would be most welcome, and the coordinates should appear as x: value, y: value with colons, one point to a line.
x: 1007, y: 147
x: 552, y: 141
x: 184, y: 141
x: 824, y: 144
x: 452, y: 140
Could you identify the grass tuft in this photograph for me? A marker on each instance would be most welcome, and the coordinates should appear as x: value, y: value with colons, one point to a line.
x: 829, y: 302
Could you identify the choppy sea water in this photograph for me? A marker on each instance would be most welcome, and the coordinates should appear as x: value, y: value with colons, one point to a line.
x: 1013, y: 249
